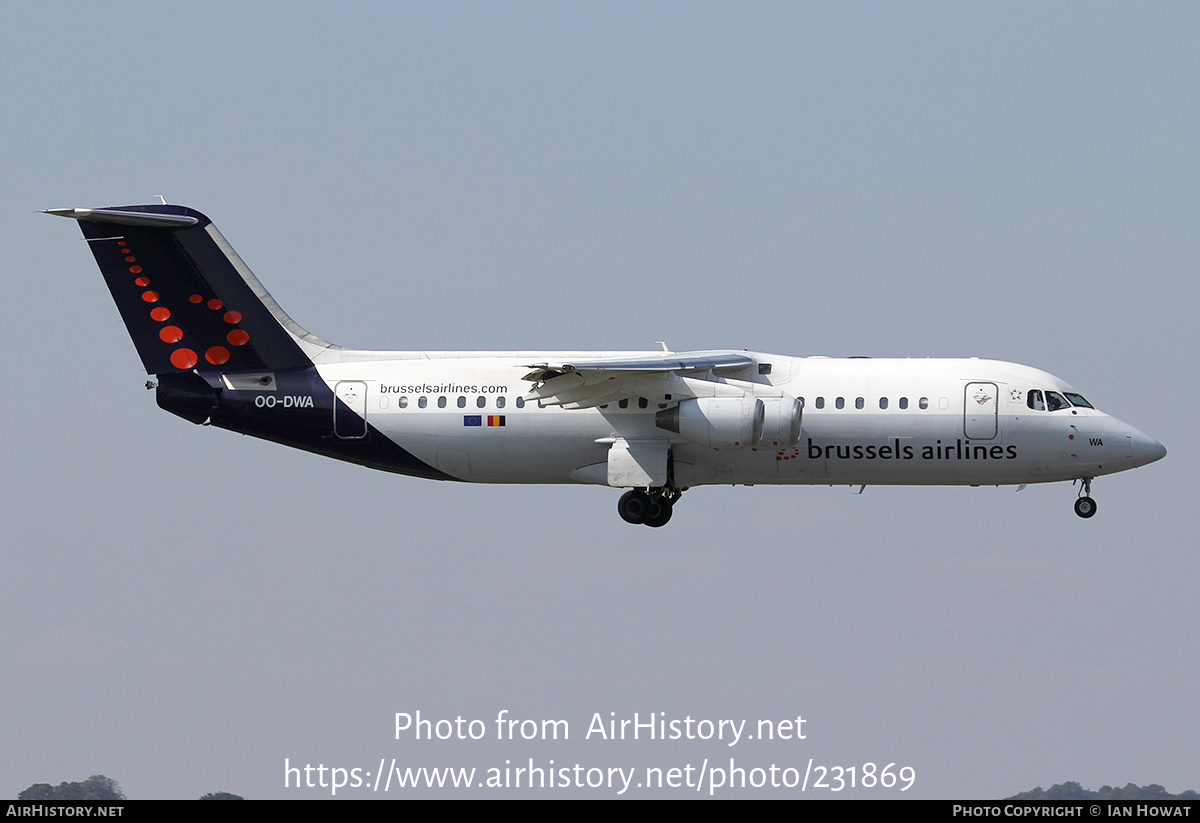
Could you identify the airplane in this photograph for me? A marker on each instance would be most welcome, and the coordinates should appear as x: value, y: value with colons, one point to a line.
x: 653, y: 422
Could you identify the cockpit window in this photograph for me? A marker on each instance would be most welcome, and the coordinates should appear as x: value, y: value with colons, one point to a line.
x: 1034, y: 401
x: 1078, y: 400
x: 1055, y: 401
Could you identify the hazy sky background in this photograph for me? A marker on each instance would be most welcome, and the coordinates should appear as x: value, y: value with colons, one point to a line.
x: 183, y: 608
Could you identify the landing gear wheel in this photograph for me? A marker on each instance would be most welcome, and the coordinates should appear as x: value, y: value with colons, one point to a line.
x: 1085, y: 507
x: 634, y: 506
x: 659, y: 513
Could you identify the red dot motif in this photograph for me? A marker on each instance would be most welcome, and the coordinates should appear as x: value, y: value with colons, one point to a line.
x: 185, y: 358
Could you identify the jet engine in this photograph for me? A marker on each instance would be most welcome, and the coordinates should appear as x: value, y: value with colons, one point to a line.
x: 781, y: 422
x: 716, y: 422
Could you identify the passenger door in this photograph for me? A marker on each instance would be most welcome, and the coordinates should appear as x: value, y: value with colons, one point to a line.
x: 980, y: 408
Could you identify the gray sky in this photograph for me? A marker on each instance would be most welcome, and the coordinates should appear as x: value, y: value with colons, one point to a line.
x: 184, y: 608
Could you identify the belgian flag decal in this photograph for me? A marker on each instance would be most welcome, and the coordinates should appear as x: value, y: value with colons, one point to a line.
x: 477, y: 420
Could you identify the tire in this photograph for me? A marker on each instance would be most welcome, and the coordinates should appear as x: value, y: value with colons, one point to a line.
x: 660, y: 512
x: 1085, y: 507
x: 633, y: 506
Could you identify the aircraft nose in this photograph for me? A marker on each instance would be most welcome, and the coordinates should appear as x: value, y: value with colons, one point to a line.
x: 1160, y: 451
x: 1146, y: 449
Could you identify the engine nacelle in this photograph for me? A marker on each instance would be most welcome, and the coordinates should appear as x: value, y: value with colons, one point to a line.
x: 716, y: 422
x: 781, y: 422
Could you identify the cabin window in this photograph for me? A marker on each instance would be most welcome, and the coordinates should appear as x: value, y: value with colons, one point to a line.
x: 623, y: 403
x: 520, y: 401
x: 403, y: 402
x: 923, y: 402
x: 643, y: 402
x: 883, y: 402
x: 462, y: 402
x: 859, y: 403
x: 904, y: 402
x: 422, y: 401
x: 764, y: 368
x: 820, y: 402
x: 500, y: 402
x: 840, y: 402
x: 480, y: 401
x: 943, y: 403
x: 442, y: 402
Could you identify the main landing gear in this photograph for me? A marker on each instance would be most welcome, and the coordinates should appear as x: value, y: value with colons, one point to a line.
x: 652, y: 507
x: 1085, y: 506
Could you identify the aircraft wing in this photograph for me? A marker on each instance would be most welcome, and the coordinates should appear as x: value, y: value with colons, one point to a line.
x: 582, y: 384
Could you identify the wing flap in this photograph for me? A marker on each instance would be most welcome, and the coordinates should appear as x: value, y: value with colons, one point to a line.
x: 583, y: 384
x: 665, y: 362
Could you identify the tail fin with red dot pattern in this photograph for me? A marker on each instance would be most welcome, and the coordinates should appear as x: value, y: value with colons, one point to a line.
x: 186, y: 297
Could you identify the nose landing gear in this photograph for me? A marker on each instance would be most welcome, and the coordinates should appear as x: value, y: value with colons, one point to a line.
x: 652, y: 507
x: 1085, y: 506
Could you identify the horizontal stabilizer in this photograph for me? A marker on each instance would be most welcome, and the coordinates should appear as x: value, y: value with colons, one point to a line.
x: 126, y: 218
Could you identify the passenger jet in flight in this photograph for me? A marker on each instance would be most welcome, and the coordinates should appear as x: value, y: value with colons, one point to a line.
x: 655, y: 423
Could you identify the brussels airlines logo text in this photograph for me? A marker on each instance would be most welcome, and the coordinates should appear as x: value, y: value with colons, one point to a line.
x: 896, y: 450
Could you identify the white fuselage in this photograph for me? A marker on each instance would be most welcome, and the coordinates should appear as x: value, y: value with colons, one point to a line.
x: 865, y: 421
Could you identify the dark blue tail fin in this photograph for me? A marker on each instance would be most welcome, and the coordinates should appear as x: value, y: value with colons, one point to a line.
x: 188, y: 300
